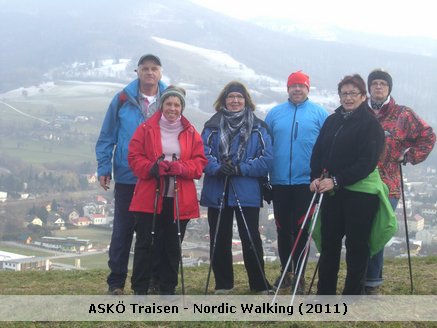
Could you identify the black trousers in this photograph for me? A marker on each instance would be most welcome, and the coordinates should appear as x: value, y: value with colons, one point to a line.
x: 290, y: 204
x: 166, y: 237
x: 222, y: 261
x: 350, y: 214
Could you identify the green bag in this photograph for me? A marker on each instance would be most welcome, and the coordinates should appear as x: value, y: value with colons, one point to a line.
x: 385, y: 223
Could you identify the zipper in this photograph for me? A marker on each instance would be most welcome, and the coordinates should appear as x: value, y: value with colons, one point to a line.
x: 333, y: 141
x: 291, y: 141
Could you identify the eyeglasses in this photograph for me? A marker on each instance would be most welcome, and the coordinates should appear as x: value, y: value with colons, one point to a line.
x: 379, y: 84
x: 353, y: 94
x: 236, y: 97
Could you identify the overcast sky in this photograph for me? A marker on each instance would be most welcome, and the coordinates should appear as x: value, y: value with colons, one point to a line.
x: 389, y: 17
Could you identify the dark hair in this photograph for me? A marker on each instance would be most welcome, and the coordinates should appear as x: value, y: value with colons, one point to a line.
x: 221, y: 99
x: 356, y: 80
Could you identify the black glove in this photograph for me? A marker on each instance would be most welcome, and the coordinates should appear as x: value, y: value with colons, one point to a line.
x: 267, y: 191
x: 154, y: 171
x: 229, y: 169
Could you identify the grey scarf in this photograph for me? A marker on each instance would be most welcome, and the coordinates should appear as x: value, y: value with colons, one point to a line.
x: 232, y: 123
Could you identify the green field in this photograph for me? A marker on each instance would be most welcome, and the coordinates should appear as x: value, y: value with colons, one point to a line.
x: 37, y: 152
x: 23, y: 251
x: 89, y: 262
x: 65, y: 98
x: 100, y: 237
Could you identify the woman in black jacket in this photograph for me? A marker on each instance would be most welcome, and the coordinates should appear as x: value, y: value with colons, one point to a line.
x: 346, y: 151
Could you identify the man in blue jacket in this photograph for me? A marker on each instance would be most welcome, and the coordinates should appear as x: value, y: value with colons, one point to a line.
x: 129, y: 108
x: 295, y: 125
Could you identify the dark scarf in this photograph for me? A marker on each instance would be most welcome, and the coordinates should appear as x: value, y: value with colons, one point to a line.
x: 346, y: 114
x: 376, y: 104
x: 232, y: 123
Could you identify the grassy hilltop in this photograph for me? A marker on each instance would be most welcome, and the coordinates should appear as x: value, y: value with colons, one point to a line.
x: 93, y: 282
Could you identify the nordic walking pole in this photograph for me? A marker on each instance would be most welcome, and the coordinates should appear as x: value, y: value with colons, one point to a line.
x: 307, y: 246
x: 314, y: 276
x: 222, y: 202
x: 284, y: 271
x: 406, y: 227
x: 250, y: 237
x: 178, y: 223
x: 155, y: 203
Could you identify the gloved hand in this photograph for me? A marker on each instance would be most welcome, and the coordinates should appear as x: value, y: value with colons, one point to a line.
x: 175, y: 168
x: 163, y: 168
x: 154, y: 170
x: 267, y: 192
x: 229, y: 169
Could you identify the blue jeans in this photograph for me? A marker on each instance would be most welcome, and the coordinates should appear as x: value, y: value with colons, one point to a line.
x: 376, y: 262
x: 122, y: 233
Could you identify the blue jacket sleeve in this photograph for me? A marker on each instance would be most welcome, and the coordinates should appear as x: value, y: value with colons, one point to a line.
x: 211, y: 153
x: 259, y: 165
x: 107, y: 139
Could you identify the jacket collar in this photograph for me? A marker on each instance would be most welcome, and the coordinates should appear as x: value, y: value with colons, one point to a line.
x: 357, y: 113
x: 153, y: 121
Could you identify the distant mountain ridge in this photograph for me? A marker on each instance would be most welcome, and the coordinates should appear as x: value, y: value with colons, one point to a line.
x: 37, y: 39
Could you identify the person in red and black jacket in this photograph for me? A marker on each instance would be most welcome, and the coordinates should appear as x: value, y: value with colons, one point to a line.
x: 408, y: 139
x: 154, y: 145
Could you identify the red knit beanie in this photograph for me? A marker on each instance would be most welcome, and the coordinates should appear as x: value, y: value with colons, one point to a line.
x: 299, y: 78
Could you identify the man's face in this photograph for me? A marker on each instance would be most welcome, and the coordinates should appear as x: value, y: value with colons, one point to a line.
x: 298, y: 93
x: 149, y: 73
x: 379, y: 90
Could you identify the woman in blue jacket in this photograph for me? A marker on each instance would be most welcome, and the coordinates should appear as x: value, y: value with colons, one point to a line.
x: 239, y: 151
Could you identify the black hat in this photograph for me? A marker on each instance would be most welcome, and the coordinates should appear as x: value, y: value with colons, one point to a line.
x: 380, y: 74
x: 149, y: 57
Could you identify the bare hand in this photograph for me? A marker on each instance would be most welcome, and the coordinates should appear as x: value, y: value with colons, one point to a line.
x: 105, y: 181
x: 325, y: 185
x: 314, y: 186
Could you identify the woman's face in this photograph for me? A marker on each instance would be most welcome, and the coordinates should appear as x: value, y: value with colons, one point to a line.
x: 351, y: 97
x: 235, y: 102
x: 172, y: 108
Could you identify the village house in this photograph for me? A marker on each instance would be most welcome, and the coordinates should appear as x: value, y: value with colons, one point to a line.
x: 82, y: 221
x: 99, y: 219
x: 18, y: 262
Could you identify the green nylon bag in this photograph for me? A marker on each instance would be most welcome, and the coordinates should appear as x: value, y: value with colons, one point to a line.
x: 385, y: 223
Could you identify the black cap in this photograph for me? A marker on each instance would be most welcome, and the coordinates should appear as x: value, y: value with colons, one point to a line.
x: 380, y: 74
x: 149, y: 57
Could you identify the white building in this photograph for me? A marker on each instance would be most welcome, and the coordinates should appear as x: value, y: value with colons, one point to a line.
x: 18, y: 262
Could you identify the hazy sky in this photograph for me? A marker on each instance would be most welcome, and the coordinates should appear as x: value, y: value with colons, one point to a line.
x: 389, y: 17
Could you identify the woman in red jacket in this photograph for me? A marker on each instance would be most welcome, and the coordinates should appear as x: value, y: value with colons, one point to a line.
x: 165, y: 147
